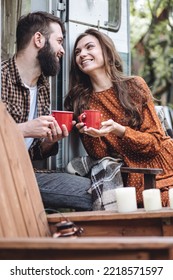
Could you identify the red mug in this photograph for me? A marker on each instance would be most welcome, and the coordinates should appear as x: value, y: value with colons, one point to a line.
x: 63, y: 117
x: 91, y: 118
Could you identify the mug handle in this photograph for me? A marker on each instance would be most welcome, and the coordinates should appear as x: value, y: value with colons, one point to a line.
x: 82, y: 117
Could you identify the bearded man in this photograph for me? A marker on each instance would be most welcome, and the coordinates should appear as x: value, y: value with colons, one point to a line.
x: 26, y: 92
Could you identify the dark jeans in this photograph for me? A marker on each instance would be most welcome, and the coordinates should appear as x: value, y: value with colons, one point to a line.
x: 63, y: 190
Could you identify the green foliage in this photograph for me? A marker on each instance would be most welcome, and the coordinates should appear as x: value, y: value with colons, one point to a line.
x: 152, y: 43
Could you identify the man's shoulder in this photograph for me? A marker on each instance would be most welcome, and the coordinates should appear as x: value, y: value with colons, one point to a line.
x: 6, y: 65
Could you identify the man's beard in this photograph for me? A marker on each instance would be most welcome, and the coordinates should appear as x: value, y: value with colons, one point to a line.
x: 49, y: 64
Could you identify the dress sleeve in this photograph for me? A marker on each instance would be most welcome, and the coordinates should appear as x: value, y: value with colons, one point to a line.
x: 148, y: 138
x: 96, y: 148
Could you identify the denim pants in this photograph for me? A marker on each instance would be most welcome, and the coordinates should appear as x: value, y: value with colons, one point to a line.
x: 63, y: 190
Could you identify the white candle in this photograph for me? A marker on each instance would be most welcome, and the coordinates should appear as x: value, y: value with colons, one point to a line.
x: 171, y: 197
x: 152, y: 199
x: 126, y: 199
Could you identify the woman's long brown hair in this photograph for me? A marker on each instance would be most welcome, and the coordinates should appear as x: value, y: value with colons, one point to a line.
x: 80, y: 87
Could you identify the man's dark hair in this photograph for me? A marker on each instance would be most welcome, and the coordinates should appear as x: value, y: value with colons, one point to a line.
x: 34, y: 22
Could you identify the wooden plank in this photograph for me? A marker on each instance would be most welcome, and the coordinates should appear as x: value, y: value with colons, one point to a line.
x: 34, y: 193
x: 88, y: 248
x: 1, y: 228
x: 149, y: 171
x: 10, y: 206
x: 167, y: 226
x: 104, y: 223
x: 171, y: 253
x: 15, y: 161
x: 149, y: 175
x: 166, y: 212
x: 122, y: 228
x: 79, y: 254
x: 88, y: 243
x: 23, y: 178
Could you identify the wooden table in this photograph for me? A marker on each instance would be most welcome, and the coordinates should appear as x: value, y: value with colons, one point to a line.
x: 105, y: 223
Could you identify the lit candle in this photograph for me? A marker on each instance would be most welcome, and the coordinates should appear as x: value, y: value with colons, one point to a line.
x: 152, y: 199
x: 171, y: 197
x: 126, y: 199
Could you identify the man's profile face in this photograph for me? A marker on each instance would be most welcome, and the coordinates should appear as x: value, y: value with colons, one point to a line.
x: 49, y: 63
x: 52, y: 51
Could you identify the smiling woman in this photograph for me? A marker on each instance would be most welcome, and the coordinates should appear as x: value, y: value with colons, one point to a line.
x: 130, y: 127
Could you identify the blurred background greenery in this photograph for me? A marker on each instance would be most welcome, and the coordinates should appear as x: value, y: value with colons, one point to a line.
x: 151, y: 36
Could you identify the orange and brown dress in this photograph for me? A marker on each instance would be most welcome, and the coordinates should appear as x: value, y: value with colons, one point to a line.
x: 147, y: 146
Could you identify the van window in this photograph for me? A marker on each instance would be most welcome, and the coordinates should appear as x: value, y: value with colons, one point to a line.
x: 114, y: 17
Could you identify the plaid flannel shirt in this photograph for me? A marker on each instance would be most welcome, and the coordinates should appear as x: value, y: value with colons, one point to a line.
x: 17, y: 99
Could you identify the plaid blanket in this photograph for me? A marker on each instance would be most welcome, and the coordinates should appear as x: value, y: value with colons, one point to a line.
x: 105, y: 178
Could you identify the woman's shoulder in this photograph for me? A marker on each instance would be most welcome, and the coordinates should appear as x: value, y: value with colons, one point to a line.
x: 139, y: 83
x: 139, y: 89
x: 137, y: 80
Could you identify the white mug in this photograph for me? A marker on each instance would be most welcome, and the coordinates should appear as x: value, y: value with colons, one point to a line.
x: 126, y: 199
x: 152, y: 199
